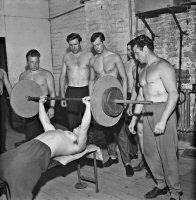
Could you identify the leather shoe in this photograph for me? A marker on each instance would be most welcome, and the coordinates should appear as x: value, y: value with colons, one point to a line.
x: 139, y: 167
x: 110, y: 162
x: 156, y: 192
x: 129, y: 170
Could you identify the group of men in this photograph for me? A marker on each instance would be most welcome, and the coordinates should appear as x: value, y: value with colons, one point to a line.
x: 152, y: 78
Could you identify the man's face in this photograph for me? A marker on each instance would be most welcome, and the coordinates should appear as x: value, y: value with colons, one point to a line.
x: 74, y: 46
x: 33, y: 63
x: 98, y: 46
x: 130, y: 53
x: 139, y: 54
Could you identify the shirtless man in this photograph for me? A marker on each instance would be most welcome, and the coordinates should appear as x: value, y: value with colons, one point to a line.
x: 106, y: 62
x: 130, y: 67
x: 135, y: 69
x: 22, y: 167
x: 158, y: 84
x: 3, y: 81
x: 45, y: 80
x: 74, y: 79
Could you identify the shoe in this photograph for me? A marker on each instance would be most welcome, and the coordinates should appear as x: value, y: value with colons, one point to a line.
x: 135, y: 156
x: 129, y: 170
x: 148, y: 175
x: 139, y: 167
x: 156, y: 192
x: 110, y: 162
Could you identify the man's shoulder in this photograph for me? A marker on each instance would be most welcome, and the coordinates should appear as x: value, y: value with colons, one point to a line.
x: 23, y: 73
x: 164, y: 63
x: 45, y: 71
x: 87, y: 53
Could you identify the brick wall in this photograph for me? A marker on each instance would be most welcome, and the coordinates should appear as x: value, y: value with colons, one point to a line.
x: 111, y: 18
x: 66, y: 17
x: 167, y: 45
x: 116, y: 19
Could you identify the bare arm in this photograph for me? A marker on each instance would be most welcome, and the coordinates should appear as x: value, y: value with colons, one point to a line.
x: 168, y: 77
x: 51, y: 88
x: 82, y: 135
x: 92, y: 77
x: 133, y: 91
x: 62, y: 80
x: 44, y: 117
x: 122, y: 73
x: 7, y: 82
x: 137, y: 111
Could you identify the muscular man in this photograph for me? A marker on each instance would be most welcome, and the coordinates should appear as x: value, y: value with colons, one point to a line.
x: 130, y: 66
x: 74, y: 79
x: 158, y: 84
x: 136, y: 68
x: 106, y: 62
x: 45, y: 80
x: 22, y: 167
x: 3, y: 81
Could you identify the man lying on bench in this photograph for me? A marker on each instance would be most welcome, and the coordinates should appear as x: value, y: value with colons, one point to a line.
x: 22, y: 167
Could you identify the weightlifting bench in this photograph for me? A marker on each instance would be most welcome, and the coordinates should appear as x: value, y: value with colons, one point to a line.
x: 91, y: 151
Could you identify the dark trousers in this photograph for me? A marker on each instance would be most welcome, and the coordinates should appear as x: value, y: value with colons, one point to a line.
x: 160, y: 150
x: 75, y: 109
x: 117, y: 135
x: 22, y: 167
x: 2, y: 124
x: 134, y: 140
x: 34, y: 126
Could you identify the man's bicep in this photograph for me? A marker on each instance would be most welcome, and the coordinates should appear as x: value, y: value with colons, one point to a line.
x: 168, y: 78
x: 121, y: 67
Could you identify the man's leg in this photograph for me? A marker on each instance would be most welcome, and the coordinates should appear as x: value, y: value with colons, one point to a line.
x: 151, y: 154
x: 2, y: 125
x: 168, y: 143
x: 111, y: 146
x: 124, y: 145
x: 141, y: 164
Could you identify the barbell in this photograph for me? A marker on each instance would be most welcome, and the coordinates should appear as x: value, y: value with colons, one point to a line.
x: 107, y: 101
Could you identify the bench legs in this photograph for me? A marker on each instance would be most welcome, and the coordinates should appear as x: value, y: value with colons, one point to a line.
x: 82, y: 185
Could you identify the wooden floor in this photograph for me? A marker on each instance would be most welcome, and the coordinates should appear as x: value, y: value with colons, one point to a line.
x: 58, y: 183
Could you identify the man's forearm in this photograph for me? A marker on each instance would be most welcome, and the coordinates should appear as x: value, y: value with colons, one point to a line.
x: 171, y: 104
x: 90, y: 87
x: 85, y: 124
x: 125, y: 88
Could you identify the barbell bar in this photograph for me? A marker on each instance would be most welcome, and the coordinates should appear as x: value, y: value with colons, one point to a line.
x: 107, y: 101
x: 120, y: 101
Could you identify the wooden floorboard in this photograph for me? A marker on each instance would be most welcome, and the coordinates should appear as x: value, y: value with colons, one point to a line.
x: 58, y: 183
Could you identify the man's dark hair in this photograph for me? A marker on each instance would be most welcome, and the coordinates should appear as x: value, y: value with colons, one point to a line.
x: 33, y: 53
x: 97, y: 35
x: 74, y: 36
x: 144, y: 40
x: 132, y: 43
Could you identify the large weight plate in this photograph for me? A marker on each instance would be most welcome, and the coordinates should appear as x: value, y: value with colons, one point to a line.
x: 19, y: 102
x: 102, y: 84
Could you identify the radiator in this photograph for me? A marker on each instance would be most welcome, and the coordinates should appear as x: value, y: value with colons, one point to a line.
x: 183, y: 111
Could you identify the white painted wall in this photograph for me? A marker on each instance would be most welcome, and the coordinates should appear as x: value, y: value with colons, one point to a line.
x: 26, y: 27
